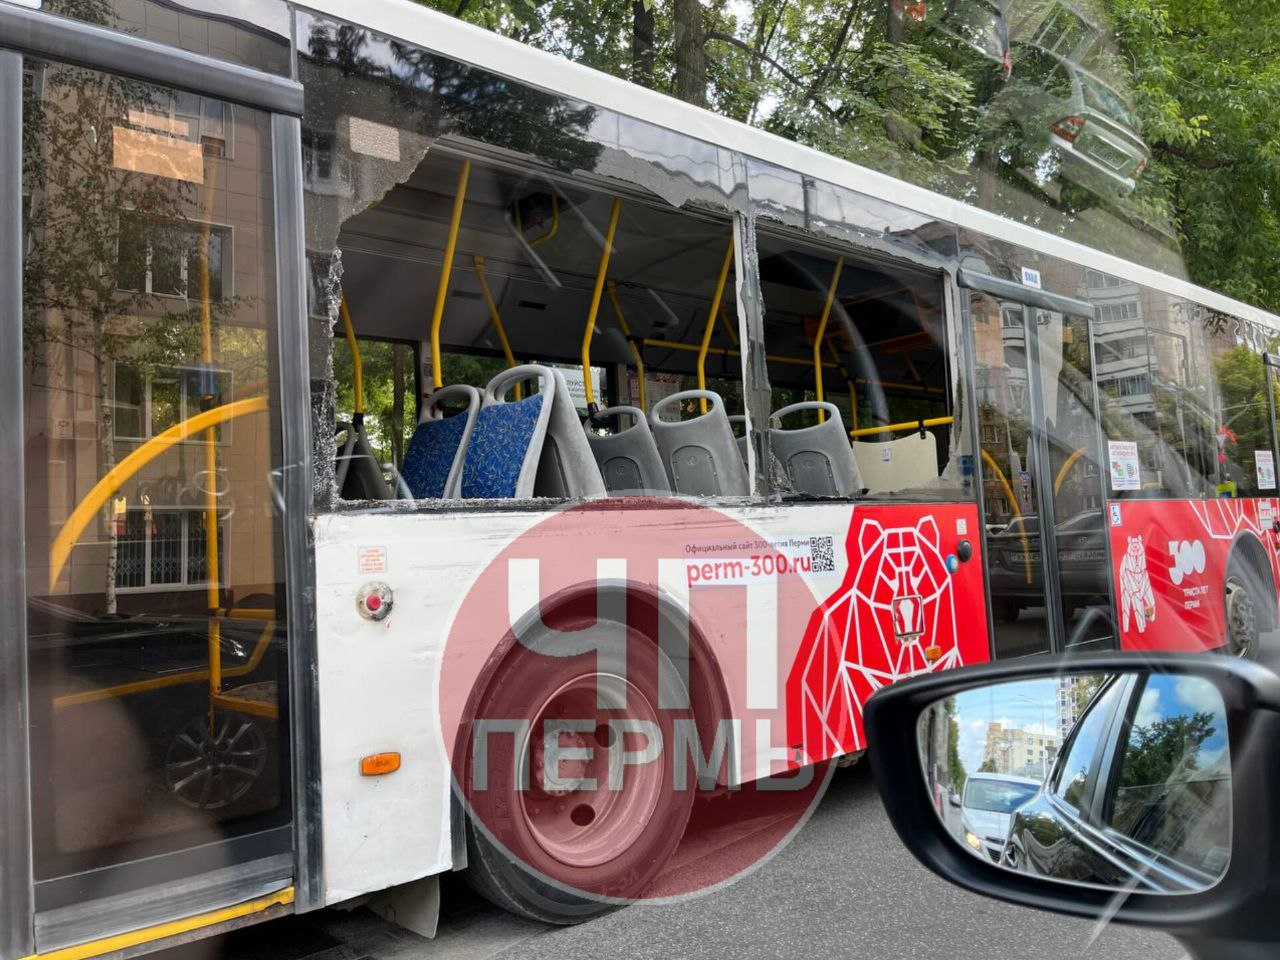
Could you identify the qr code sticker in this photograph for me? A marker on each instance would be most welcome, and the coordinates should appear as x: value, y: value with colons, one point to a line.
x: 823, y: 552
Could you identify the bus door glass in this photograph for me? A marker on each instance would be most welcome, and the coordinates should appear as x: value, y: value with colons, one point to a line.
x: 155, y: 576
x: 1038, y: 446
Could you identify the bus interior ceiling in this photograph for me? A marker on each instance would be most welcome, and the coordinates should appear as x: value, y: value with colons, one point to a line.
x: 536, y: 243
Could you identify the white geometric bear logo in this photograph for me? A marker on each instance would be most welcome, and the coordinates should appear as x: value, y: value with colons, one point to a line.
x: 1137, y: 599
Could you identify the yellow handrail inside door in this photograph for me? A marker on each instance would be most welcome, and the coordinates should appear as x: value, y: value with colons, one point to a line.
x: 446, y: 271
x: 822, y: 331
x: 705, y: 347
x: 596, y: 293
x: 496, y: 317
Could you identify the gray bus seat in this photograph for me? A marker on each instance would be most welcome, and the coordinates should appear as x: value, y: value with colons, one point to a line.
x: 356, y: 469
x: 505, y: 447
x: 433, y: 462
x: 629, y: 459
x: 567, y: 467
x: 818, y: 459
x: 741, y: 420
x: 700, y: 455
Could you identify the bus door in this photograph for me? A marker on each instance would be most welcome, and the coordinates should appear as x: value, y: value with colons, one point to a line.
x: 1042, y: 489
x: 148, y: 282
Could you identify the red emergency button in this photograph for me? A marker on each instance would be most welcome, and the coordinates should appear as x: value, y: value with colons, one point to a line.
x: 373, y: 600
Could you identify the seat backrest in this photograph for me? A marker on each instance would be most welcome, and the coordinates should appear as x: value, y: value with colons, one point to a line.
x: 567, y: 467
x: 741, y: 419
x: 356, y: 469
x: 901, y: 464
x: 700, y: 455
x: 433, y: 462
x: 506, y: 445
x: 629, y: 459
x: 818, y: 459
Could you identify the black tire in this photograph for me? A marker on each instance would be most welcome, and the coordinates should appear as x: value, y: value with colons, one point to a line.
x: 1249, y: 605
x: 501, y: 870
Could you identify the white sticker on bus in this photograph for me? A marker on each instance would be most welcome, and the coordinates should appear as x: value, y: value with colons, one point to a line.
x: 1126, y: 469
x: 1265, y: 463
x: 1031, y: 277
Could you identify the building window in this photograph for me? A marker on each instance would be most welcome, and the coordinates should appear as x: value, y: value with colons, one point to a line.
x: 1116, y: 312
x: 162, y: 257
x: 1097, y: 280
x: 148, y: 401
x: 165, y: 548
x: 1011, y: 317
x: 186, y: 116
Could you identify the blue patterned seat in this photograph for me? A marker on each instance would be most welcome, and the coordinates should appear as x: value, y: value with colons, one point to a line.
x: 507, y: 443
x: 433, y: 463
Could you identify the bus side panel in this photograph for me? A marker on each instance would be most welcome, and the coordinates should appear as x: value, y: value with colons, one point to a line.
x: 378, y: 687
x: 906, y: 604
x: 1171, y: 559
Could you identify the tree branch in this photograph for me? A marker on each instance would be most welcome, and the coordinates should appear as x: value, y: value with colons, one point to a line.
x: 761, y: 55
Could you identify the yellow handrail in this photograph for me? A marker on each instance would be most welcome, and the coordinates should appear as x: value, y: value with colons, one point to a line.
x: 822, y: 331
x: 596, y: 292
x: 118, y: 475
x: 551, y: 231
x: 357, y: 362
x: 1017, y: 511
x: 446, y: 270
x: 496, y: 318
x: 703, y: 349
x: 1066, y: 466
x: 853, y: 391
x: 170, y: 679
x: 635, y: 350
x: 903, y: 427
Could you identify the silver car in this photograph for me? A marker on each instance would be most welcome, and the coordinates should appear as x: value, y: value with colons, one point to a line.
x: 987, y: 808
x: 1090, y: 127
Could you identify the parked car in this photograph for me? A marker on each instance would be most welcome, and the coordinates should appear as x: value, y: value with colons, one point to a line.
x: 1069, y: 123
x: 1015, y: 569
x: 987, y: 809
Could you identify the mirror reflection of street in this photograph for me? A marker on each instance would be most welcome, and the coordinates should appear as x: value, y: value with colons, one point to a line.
x: 1040, y: 775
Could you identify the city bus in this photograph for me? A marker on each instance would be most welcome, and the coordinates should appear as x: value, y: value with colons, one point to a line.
x: 371, y: 375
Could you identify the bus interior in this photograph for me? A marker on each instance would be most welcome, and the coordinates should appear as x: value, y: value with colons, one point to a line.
x: 554, y: 276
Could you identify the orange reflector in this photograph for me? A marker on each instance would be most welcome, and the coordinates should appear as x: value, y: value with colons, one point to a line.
x: 933, y: 653
x: 377, y: 764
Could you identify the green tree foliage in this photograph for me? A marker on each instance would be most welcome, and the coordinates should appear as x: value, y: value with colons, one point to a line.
x: 1165, y: 749
x: 894, y: 84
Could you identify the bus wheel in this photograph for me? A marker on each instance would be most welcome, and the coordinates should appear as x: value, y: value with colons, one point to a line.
x: 570, y: 843
x: 1249, y: 606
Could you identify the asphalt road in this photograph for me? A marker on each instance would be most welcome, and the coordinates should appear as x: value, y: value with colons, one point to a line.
x: 844, y: 887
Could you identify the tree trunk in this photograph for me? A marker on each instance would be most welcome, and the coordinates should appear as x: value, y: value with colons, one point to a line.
x: 690, y: 50
x: 642, y: 54
x: 107, y: 455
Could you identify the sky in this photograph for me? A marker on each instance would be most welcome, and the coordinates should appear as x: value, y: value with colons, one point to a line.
x: 1023, y: 705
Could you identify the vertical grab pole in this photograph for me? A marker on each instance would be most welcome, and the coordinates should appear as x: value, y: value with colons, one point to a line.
x: 711, y: 322
x: 596, y: 293
x: 496, y: 317
x: 211, y: 545
x: 635, y: 349
x: 357, y: 364
x: 446, y: 271
x: 822, y: 330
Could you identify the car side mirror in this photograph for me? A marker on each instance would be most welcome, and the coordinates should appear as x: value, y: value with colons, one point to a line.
x: 1137, y: 787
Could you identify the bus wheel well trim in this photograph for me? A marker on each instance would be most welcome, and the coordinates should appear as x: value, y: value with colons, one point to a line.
x: 1248, y: 552
x: 709, y: 699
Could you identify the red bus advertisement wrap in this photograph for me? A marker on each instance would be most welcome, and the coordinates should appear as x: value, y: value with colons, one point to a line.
x: 1172, y: 561
x: 911, y: 602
